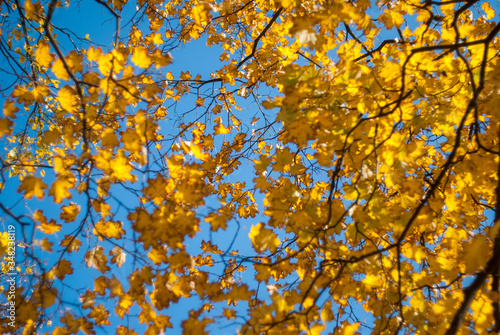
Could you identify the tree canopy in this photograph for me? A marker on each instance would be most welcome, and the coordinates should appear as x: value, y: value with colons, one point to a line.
x: 255, y: 166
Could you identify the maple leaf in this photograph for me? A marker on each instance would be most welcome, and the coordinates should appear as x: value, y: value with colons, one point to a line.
x: 476, y: 254
x: 196, y: 150
x: 109, y: 139
x: 93, y: 54
x: 201, y: 14
x: 75, y: 61
x: 63, y: 268
x: 124, y: 304
x: 219, y: 128
x: 71, y: 243
x: 71, y: 324
x: 349, y: 328
x: 68, y: 99
x: 217, y: 221
x: 9, y: 109
x: 161, y: 59
x: 5, y: 126
x: 122, y: 330
x: 141, y: 58
x: 109, y: 229
x: 32, y: 186
x: 49, y: 227
x: 23, y: 95
x: 4, y: 242
x: 43, y: 55
x: 50, y: 136
x: 96, y: 259
x: 121, y: 167
x: 70, y: 212
x: 59, y: 70
x: 263, y: 238
x: 195, y: 326
x: 60, y: 188
x: 131, y: 140
x: 46, y: 296
x: 100, y: 315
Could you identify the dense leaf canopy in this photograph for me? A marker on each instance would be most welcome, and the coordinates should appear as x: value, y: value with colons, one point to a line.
x: 256, y: 166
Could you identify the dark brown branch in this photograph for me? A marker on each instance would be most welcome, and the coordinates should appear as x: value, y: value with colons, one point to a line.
x: 12, y: 215
x: 375, y: 50
x: 117, y: 17
x: 309, y: 59
x: 350, y: 32
x: 493, y: 263
x: 256, y: 42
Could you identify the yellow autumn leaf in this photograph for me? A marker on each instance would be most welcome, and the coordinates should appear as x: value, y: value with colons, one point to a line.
x: 75, y: 61
x: 49, y: 227
x: 200, y: 101
x: 23, y: 95
x: 490, y: 12
x: 109, y: 229
x: 121, y: 167
x: 201, y: 14
x: 70, y: 243
x: 131, y: 140
x: 349, y: 329
x: 372, y: 280
x: 34, y: 10
x: 93, y: 54
x: 5, y: 126
x: 9, y: 109
x: 45, y: 244
x: 59, y: 70
x: 217, y: 221
x: 141, y: 57
x: 50, y: 136
x: 70, y: 323
x: 115, y: 287
x: 68, y: 99
x: 40, y: 92
x: 100, y: 315
x: 157, y: 255
x: 197, y: 151
x: 219, y: 127
x: 63, y: 268
x: 316, y: 329
x: 327, y: 312
x: 32, y: 186
x: 109, y: 139
x: 43, y: 55
x: 46, y: 296
x: 118, y: 256
x: 4, y: 243
x: 124, y: 303
x: 161, y: 59
x: 263, y: 239
x: 476, y: 253
x: 60, y: 188
x: 69, y: 212
x: 96, y: 259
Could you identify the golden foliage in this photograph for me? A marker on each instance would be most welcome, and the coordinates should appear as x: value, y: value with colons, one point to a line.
x: 327, y: 166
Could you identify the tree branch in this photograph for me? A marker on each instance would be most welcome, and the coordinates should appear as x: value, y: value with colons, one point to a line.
x: 256, y: 42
